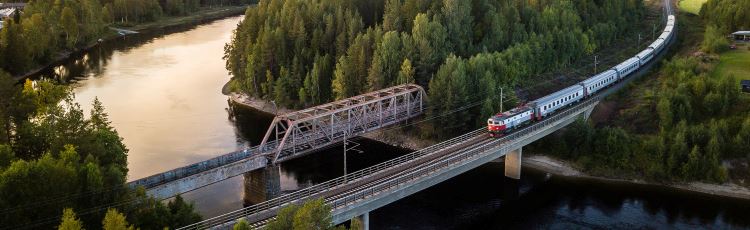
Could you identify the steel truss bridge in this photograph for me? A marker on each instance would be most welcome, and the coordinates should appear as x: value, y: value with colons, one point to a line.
x: 295, y: 134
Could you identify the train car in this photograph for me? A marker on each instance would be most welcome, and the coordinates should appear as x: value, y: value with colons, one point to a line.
x: 671, y: 20
x: 506, y: 121
x: 667, y: 32
x: 598, y: 82
x: 645, y: 55
x: 627, y: 67
x: 550, y: 103
x: 657, y: 45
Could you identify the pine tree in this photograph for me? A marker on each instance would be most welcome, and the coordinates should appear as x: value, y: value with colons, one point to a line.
x: 69, y: 25
x: 70, y: 221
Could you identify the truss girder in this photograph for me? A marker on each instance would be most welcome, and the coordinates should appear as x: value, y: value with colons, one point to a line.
x: 300, y: 132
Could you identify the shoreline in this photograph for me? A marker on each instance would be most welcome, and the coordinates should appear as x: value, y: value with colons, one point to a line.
x: 203, y: 17
x: 564, y: 169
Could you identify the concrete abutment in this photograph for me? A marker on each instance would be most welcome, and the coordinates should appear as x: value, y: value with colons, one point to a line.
x: 513, y: 164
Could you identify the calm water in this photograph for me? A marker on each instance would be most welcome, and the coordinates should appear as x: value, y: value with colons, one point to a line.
x: 163, y: 95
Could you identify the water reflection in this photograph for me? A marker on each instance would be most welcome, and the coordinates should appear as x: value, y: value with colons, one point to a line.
x: 474, y: 201
x: 162, y: 93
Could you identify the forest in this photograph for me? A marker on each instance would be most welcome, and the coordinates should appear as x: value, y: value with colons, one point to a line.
x: 53, y: 158
x: 688, y: 122
x: 47, y: 27
x: 303, y: 53
x: 56, y: 165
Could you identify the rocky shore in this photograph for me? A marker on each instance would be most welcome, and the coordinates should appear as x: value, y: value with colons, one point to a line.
x: 562, y: 168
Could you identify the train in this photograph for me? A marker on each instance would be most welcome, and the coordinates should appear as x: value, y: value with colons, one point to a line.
x: 507, y: 121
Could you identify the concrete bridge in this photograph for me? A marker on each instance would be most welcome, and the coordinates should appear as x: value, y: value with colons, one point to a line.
x: 293, y: 135
x: 355, y: 195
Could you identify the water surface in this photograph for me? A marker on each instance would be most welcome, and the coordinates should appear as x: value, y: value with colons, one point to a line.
x: 162, y: 91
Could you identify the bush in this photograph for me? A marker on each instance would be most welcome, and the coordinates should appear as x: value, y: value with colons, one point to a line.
x: 714, y: 41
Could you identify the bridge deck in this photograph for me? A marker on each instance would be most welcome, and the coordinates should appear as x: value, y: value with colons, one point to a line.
x: 296, y: 134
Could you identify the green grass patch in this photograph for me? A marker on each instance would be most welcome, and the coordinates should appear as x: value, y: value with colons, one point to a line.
x: 734, y: 62
x: 692, y: 6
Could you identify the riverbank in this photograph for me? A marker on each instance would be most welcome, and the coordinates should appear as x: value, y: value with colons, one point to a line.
x: 257, y: 104
x: 563, y: 168
x: 205, y: 15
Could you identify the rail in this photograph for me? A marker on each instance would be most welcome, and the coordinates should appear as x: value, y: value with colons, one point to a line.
x: 309, y: 192
x: 314, y: 191
x: 505, y: 144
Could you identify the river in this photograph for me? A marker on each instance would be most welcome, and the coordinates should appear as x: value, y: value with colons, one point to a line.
x: 162, y: 91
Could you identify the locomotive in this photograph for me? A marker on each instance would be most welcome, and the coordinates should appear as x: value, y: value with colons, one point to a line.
x: 505, y: 122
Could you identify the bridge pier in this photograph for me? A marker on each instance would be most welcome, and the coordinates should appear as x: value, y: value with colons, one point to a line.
x: 513, y: 164
x: 364, y: 221
x: 586, y: 114
x: 262, y: 184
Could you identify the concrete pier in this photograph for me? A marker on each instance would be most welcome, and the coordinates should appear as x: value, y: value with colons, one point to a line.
x: 262, y: 184
x: 364, y: 222
x: 513, y: 164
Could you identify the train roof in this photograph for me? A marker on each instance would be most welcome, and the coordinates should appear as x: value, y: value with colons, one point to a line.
x: 645, y: 52
x: 556, y: 95
x: 626, y: 63
x: 657, y: 43
x: 599, y: 76
x: 512, y: 112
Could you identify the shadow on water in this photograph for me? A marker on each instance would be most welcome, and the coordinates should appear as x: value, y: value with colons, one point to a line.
x: 483, y: 199
x: 479, y: 199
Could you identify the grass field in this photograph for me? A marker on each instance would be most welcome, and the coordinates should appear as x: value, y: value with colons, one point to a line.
x: 734, y: 62
x: 692, y: 6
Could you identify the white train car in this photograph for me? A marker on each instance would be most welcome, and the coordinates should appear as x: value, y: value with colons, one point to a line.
x: 550, y: 103
x: 627, y: 67
x: 657, y: 45
x: 671, y: 20
x: 598, y: 82
x: 645, y: 55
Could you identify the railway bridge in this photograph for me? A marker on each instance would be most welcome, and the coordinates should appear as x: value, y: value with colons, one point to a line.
x: 355, y: 194
x: 293, y: 135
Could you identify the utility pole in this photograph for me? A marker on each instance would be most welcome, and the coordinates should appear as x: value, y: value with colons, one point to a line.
x: 346, y: 149
x: 501, y: 99
x: 595, y: 62
x: 345, y: 173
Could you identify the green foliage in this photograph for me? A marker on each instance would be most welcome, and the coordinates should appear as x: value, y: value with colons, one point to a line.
x: 242, y: 225
x: 48, y: 27
x: 313, y: 214
x: 69, y: 25
x: 70, y: 221
x: 714, y: 41
x: 114, y: 220
x: 15, y: 52
x: 284, y: 218
x: 700, y: 121
x: 45, y: 138
x: 726, y: 15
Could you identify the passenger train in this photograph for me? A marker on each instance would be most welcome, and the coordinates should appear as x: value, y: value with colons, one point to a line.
x: 504, y: 122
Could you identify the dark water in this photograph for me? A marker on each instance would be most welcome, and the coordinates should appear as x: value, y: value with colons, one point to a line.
x: 163, y: 95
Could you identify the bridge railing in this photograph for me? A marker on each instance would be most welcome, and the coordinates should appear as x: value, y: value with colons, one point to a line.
x: 504, y: 144
x: 182, y: 172
x: 315, y: 191
x: 311, y: 192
